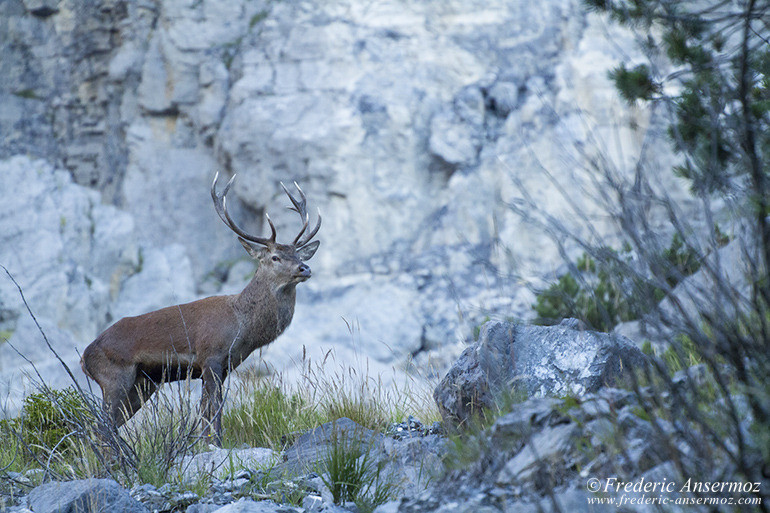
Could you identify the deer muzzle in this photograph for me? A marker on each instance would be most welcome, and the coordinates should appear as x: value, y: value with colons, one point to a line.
x: 303, y: 272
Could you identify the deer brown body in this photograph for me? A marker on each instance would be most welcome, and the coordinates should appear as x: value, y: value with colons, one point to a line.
x: 205, y: 338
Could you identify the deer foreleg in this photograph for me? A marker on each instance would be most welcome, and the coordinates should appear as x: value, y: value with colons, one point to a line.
x: 211, y: 401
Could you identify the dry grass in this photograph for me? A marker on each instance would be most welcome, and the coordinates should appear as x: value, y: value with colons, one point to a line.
x: 270, y: 410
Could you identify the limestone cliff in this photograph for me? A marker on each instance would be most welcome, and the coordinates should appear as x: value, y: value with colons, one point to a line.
x: 414, y: 125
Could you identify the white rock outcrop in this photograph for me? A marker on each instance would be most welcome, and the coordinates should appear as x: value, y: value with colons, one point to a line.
x: 79, y: 266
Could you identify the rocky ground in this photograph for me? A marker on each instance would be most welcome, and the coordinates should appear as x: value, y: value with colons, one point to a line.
x: 542, y: 453
x: 545, y: 453
x: 538, y: 438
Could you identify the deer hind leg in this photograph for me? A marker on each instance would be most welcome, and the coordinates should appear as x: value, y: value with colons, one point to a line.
x: 213, y: 376
x: 124, y: 394
x: 136, y: 397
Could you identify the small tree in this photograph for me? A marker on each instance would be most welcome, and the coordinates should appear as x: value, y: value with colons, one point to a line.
x: 720, y: 127
x: 708, y: 68
x: 721, y: 112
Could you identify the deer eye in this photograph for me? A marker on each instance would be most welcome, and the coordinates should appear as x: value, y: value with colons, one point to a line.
x: 276, y: 259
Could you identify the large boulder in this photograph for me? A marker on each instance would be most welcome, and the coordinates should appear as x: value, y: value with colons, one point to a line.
x: 221, y: 461
x: 84, y: 496
x: 533, y: 360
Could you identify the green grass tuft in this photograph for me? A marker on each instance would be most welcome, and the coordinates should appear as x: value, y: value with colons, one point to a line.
x: 257, y: 18
x: 27, y: 94
x: 352, y: 474
x: 267, y: 416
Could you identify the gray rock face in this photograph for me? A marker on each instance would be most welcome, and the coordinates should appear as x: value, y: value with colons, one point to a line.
x: 373, y: 109
x: 86, y: 496
x: 545, y: 450
x: 65, y: 248
x: 535, y: 360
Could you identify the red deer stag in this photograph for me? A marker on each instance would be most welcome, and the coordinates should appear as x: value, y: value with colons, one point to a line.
x: 206, y: 338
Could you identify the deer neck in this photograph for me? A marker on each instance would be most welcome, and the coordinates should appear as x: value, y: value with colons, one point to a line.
x: 286, y: 297
x: 262, y: 299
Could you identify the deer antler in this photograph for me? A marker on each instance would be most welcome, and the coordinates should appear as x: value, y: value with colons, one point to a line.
x: 220, y: 205
x: 300, y: 207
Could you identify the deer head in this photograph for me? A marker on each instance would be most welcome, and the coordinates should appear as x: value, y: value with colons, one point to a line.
x: 285, y: 262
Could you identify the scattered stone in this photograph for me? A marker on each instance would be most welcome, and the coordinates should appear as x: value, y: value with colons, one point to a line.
x: 36, y: 474
x: 695, y: 376
x: 388, y: 507
x: 148, y: 495
x: 203, y: 507
x: 413, y: 427
x: 18, y: 479
x: 544, y: 452
x: 18, y: 509
x: 312, y: 503
x: 222, y: 497
x: 250, y: 506
x: 243, y: 473
x: 83, y: 495
x: 524, y: 419
x: 575, y: 500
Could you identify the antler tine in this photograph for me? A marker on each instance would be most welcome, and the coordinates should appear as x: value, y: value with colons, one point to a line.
x: 301, y: 193
x: 302, y: 230
x: 218, y: 198
x: 299, y: 207
x: 272, y: 227
x: 312, y: 233
x: 220, y: 205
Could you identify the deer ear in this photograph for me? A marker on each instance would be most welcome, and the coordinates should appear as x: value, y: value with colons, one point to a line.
x: 307, y: 252
x: 254, y: 251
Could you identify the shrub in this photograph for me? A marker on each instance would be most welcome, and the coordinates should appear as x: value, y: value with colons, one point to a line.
x: 589, y: 293
x: 596, y: 292
x: 49, y: 418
